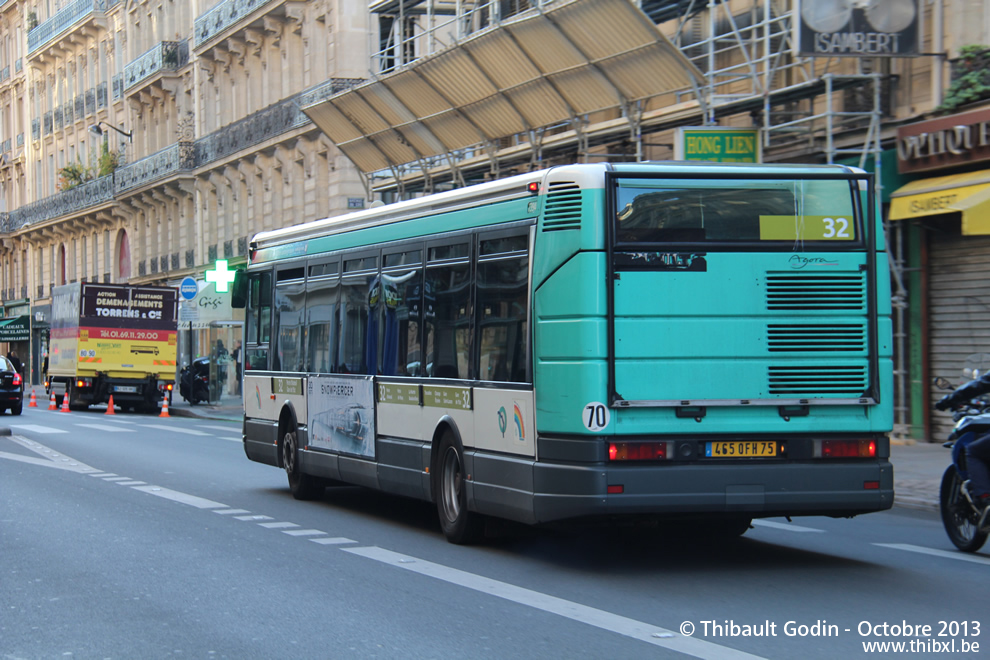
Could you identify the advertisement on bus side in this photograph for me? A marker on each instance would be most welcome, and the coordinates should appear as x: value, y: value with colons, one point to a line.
x: 342, y: 414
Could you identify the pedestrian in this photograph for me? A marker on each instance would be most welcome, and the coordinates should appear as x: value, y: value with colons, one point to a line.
x: 16, y: 361
x: 221, y: 357
x: 236, y: 354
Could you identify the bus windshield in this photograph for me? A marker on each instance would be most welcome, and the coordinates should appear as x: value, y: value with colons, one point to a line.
x: 768, y: 213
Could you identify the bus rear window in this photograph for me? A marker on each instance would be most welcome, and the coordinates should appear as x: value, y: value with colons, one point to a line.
x: 764, y: 212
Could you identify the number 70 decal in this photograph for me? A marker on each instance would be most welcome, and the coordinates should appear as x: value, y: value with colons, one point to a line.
x: 595, y: 416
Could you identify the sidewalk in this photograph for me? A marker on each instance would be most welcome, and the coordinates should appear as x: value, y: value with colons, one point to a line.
x: 228, y: 409
x: 918, y: 466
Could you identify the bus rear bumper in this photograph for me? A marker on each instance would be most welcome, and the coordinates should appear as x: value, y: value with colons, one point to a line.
x: 755, y: 490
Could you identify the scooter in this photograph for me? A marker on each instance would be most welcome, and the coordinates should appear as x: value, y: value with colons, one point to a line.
x: 194, y: 381
x: 966, y: 523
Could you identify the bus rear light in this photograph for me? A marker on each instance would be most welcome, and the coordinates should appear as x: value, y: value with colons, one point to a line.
x: 849, y: 449
x: 871, y: 485
x: 615, y: 490
x: 534, y: 187
x: 637, y: 451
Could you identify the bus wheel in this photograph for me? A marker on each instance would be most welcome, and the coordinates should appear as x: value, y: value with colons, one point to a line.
x: 459, y: 525
x: 303, y: 486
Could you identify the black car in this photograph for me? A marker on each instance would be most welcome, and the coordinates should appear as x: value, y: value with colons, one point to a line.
x: 11, y: 388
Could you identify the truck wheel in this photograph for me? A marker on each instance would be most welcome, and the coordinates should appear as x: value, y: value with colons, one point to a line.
x: 303, y: 486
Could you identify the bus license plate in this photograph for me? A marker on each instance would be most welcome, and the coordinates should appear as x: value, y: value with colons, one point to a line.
x: 129, y: 389
x: 741, y: 449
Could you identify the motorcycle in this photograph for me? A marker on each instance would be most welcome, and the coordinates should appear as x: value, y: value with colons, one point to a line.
x: 194, y: 381
x: 965, y: 522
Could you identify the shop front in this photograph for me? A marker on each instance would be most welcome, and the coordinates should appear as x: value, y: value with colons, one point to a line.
x: 945, y: 217
x: 210, y: 334
x: 15, y: 334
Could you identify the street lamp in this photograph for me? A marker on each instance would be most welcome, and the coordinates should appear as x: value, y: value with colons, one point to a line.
x: 96, y: 130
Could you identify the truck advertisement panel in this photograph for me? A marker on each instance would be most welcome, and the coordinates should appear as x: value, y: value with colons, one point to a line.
x: 116, y: 328
x: 64, y: 330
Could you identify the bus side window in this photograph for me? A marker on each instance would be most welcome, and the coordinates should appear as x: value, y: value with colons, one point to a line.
x: 291, y: 308
x: 448, y: 321
x: 503, y: 319
x: 321, y: 325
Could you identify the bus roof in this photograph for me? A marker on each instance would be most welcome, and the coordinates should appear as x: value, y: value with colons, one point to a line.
x: 513, y: 187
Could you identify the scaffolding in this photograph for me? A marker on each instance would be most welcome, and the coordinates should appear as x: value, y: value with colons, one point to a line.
x: 807, y: 108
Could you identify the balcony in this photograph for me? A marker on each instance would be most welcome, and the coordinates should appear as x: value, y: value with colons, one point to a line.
x: 72, y: 15
x: 222, y: 17
x: 92, y: 193
x: 268, y: 123
x: 166, y: 57
x: 176, y: 159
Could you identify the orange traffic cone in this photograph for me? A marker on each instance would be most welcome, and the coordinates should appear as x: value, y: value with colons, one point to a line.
x: 65, y: 402
x: 164, y: 407
x: 51, y: 404
x: 110, y: 407
x: 34, y: 402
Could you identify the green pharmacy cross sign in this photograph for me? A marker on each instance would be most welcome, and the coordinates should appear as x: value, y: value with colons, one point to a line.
x: 221, y: 276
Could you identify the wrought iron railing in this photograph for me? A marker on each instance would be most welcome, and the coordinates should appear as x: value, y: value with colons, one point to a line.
x: 165, y: 56
x: 184, y: 156
x: 74, y: 13
x: 91, y: 193
x: 180, y: 157
x: 268, y: 123
x: 222, y: 16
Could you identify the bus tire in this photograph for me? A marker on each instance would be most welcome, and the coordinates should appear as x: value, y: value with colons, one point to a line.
x: 459, y: 525
x: 303, y: 486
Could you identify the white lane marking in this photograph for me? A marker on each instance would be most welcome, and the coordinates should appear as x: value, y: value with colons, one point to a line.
x: 131, y: 483
x: 44, y: 462
x: 227, y: 512
x: 253, y: 517
x: 116, y: 478
x: 101, y: 475
x: 278, y: 525
x: 786, y: 526
x: 183, y: 498
x: 37, y: 428
x: 303, y: 532
x: 49, y: 457
x: 106, y: 427
x: 948, y: 554
x: 173, y: 429
x: 621, y: 625
x: 338, y: 540
x: 230, y: 439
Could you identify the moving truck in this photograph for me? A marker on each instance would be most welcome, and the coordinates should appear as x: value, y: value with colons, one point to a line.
x: 112, y: 340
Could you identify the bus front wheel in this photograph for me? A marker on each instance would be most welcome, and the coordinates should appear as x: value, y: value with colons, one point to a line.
x: 303, y: 486
x: 459, y: 525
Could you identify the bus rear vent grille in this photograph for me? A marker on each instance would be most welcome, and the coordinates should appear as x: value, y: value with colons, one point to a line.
x: 816, y: 338
x: 844, y: 290
x: 563, y: 209
x: 815, y: 381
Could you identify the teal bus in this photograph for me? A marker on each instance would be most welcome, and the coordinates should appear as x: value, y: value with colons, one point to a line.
x: 659, y: 340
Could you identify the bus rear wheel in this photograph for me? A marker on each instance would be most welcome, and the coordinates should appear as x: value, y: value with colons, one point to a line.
x: 459, y: 525
x: 303, y: 486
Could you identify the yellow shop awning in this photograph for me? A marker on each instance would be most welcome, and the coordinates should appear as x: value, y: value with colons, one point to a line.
x: 967, y: 193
